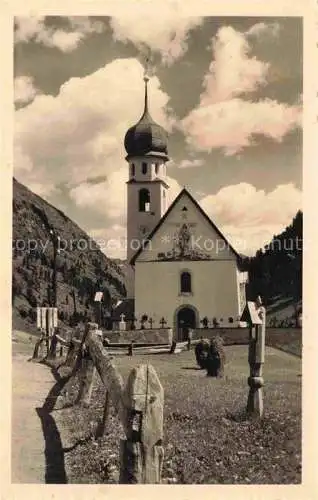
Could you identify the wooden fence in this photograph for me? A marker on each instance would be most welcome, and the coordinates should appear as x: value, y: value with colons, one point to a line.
x: 138, y: 404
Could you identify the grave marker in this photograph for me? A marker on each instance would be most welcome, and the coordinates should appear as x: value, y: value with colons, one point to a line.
x: 122, y: 323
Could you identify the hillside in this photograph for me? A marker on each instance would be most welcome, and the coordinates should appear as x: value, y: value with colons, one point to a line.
x: 275, y: 273
x: 80, y: 272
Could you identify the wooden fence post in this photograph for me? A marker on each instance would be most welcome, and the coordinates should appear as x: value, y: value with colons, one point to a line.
x: 88, y: 370
x: 140, y: 410
x: 142, y: 452
x: 87, y: 377
x: 38, y: 348
x: 102, y: 427
x: 256, y: 356
x: 108, y: 373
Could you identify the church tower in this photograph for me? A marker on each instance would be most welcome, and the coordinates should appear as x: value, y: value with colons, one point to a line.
x: 147, y: 200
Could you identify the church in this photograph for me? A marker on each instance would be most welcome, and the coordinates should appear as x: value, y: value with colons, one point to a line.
x: 183, y: 273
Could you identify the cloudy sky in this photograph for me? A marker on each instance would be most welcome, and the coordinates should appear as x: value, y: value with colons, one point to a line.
x: 228, y: 90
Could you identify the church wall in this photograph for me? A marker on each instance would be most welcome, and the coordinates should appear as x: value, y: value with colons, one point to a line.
x: 214, y: 290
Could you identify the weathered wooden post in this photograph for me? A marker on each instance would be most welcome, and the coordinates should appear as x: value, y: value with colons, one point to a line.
x: 142, y: 452
x: 98, y: 307
x: 173, y: 347
x: 88, y: 370
x: 254, y: 314
x: 102, y: 427
x: 139, y: 407
x: 52, y: 322
x: 41, y: 322
x: 130, y: 349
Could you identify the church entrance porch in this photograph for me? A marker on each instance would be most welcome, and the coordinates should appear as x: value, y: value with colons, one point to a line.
x: 186, y: 317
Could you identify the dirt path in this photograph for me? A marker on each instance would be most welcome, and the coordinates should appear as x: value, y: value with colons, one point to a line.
x: 31, y: 383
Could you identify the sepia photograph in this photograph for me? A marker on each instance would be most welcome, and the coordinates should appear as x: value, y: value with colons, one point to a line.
x: 157, y: 249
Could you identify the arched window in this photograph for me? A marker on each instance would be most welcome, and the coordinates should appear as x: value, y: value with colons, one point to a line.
x: 144, y: 200
x: 132, y: 170
x: 185, y: 282
x: 156, y: 168
x: 144, y: 167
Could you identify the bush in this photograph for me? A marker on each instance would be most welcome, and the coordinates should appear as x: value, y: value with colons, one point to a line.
x: 23, y: 311
x: 32, y: 314
x: 31, y: 297
x: 216, y: 357
x: 201, y: 352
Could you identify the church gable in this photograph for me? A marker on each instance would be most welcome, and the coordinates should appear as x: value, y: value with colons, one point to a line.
x: 185, y: 233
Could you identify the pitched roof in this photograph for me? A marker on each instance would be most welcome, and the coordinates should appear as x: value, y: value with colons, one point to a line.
x: 182, y: 192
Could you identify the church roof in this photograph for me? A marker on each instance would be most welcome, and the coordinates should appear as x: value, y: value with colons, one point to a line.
x: 146, y: 137
x: 182, y: 192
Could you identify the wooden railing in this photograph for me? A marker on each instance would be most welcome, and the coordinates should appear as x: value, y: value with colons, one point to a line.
x: 138, y: 404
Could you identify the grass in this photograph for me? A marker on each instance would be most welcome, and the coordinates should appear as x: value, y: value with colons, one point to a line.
x: 206, y: 439
x: 287, y: 340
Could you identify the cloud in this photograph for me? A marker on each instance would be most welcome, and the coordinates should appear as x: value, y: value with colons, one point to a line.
x: 66, y: 40
x: 264, y: 29
x: 79, y: 134
x: 225, y: 118
x: 111, y: 240
x: 24, y: 89
x: 174, y: 189
x: 43, y: 190
x: 232, y: 71
x: 233, y: 125
x: 191, y: 163
x: 250, y: 218
x: 165, y: 32
x: 109, y: 198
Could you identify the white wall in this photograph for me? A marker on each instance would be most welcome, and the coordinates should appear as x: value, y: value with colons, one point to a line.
x: 214, y: 287
x: 148, y: 220
x: 204, y: 238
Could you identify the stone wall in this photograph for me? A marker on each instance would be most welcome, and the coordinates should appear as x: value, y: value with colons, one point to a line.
x: 275, y: 337
x: 154, y: 336
x: 229, y: 335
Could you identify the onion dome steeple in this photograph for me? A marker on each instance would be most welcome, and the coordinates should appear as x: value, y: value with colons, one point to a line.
x: 146, y: 138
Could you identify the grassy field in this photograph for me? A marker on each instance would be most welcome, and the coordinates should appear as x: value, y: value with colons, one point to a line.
x: 206, y: 439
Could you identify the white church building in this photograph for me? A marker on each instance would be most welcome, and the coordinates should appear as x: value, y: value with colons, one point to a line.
x: 182, y: 269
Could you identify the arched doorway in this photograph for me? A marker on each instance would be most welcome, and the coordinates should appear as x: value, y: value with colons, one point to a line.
x: 185, y: 319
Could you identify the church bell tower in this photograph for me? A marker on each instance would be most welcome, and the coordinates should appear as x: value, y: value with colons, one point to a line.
x: 147, y: 200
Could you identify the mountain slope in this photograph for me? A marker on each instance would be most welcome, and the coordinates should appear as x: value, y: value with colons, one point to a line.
x: 82, y: 269
x: 275, y: 273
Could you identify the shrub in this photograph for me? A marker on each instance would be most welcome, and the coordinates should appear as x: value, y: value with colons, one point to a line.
x: 23, y: 311
x: 205, y: 322
x: 216, y: 357
x: 201, y: 352
x: 32, y: 314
